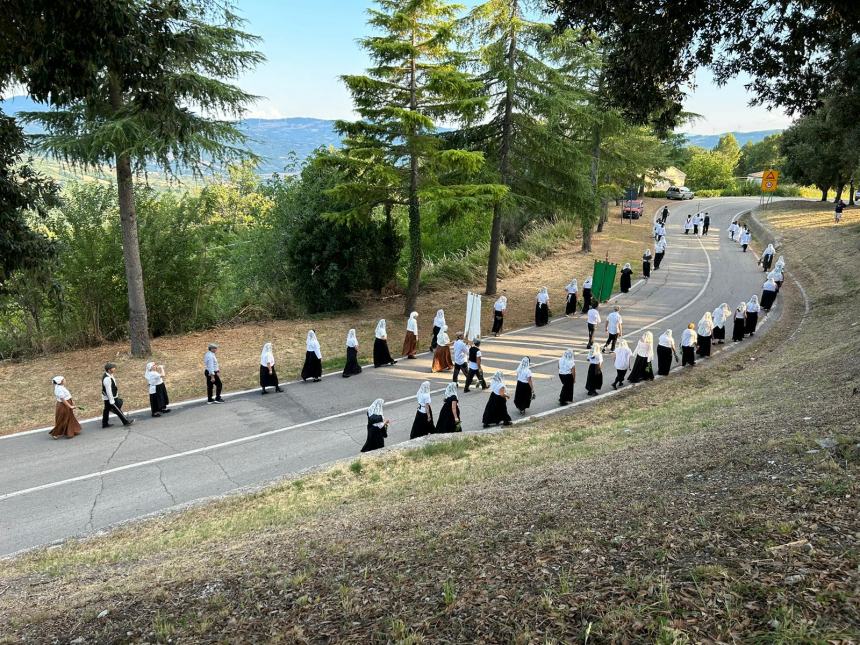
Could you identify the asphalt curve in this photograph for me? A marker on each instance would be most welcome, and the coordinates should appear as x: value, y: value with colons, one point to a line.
x: 53, y: 490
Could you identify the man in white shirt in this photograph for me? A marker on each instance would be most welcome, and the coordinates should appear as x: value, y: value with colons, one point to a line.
x: 593, y: 321
x: 475, y: 371
x: 461, y: 357
x: 212, y: 371
x: 659, y: 252
x: 613, y: 328
x: 112, y: 403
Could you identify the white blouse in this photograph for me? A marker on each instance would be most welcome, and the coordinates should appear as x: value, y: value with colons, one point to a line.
x: 622, y: 358
x: 423, y: 402
x: 62, y: 393
x: 523, y: 377
x: 593, y: 316
x: 688, y: 338
x: 412, y: 325
x: 154, y: 379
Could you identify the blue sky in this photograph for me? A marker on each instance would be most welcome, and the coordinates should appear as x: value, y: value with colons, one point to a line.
x: 310, y: 43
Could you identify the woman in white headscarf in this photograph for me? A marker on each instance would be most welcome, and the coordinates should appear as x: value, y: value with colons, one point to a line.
x: 312, y: 368
x: 594, y: 380
x: 377, y: 427
x: 442, y: 355
x: 500, y: 308
x: 449, y: 415
x: 381, y: 353
x: 646, y: 264
x: 352, y: 366
x: 496, y: 410
x: 721, y: 317
x: 780, y: 263
x: 666, y: 349
x: 705, y: 332
x: 410, y: 343
x: 567, y: 376
x: 623, y: 356
x: 572, y: 291
x: 740, y: 322
x: 423, y: 423
x: 643, y: 358
x: 438, y: 323
x: 525, y: 391
x: 768, y: 293
x: 586, y: 295
x: 753, y: 308
x: 158, y: 400
x: 777, y: 276
x: 767, y: 257
x: 626, y: 279
x: 268, y: 375
x: 542, y: 307
x: 65, y: 423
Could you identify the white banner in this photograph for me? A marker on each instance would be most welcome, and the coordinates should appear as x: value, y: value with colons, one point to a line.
x: 473, y: 316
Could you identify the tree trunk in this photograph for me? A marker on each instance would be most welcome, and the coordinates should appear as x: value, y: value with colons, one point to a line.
x: 415, y: 256
x: 587, y: 231
x: 588, y: 219
x: 824, y: 193
x: 504, y: 155
x: 840, y: 186
x: 138, y: 324
x: 604, y: 214
x: 851, y: 196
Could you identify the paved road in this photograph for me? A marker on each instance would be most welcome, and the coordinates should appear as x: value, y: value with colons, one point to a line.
x: 52, y: 490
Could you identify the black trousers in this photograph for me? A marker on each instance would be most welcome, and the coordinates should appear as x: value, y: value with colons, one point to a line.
x: 210, y: 385
x: 473, y: 374
x: 462, y: 367
x: 612, y: 338
x: 590, y: 334
x: 619, y: 377
x: 688, y: 355
x: 744, y: 246
x: 705, y: 227
x: 658, y: 258
x: 695, y: 229
x: 110, y: 407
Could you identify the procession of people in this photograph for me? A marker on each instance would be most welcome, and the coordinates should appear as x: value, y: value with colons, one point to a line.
x: 633, y: 364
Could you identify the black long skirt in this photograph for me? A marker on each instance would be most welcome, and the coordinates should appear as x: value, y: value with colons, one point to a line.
x: 541, y: 314
x: 625, y: 280
x: 158, y: 400
x: 422, y: 425
x: 446, y: 421
x: 522, y: 396
x: 664, y: 360
x: 312, y: 367
x: 719, y: 333
x: 586, y: 300
x: 642, y: 370
x: 594, y: 380
x: 767, y: 299
x: 705, y: 345
x: 738, y: 329
x: 766, y: 261
x: 570, y: 306
x: 381, y: 355
x: 752, y: 322
x: 498, y: 321
x: 566, y: 395
x: 352, y: 366
x: 688, y: 355
x: 496, y: 411
x: 266, y: 379
x: 658, y: 259
x: 434, y: 342
x: 646, y: 269
x: 375, y: 438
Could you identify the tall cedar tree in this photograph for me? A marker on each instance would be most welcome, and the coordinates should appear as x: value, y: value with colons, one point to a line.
x: 533, y: 83
x: 156, y: 107
x: 394, y: 155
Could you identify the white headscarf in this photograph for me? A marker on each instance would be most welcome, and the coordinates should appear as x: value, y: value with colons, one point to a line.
x: 645, y: 346
x: 498, y: 382
x: 148, y: 368
x: 752, y: 304
x: 543, y: 296
x: 769, y: 250
x: 442, y: 337
x: 451, y: 390
x: 595, y: 353
x: 565, y: 363
x: 741, y: 307
x: 622, y: 344
x: 769, y: 285
x: 58, y: 380
x: 60, y: 391
x: 351, y: 340
x: 439, y: 319
x: 572, y: 287
x: 501, y: 303
x: 706, y: 324
x: 412, y: 323
x: 666, y: 339
x: 423, y: 394
x: 780, y: 261
x: 375, y: 407
x: 775, y: 275
x: 647, y: 252
x: 721, y: 315
x: 587, y: 283
x: 380, y: 329
x: 312, y: 344
x: 627, y: 266
x: 266, y: 356
x: 523, y: 371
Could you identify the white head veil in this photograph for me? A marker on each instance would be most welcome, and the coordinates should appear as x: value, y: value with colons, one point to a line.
x: 501, y: 303
x: 752, y: 303
x: 565, y: 363
x: 587, y: 283
x: 499, y: 378
x: 267, y: 354
x: 627, y: 266
x: 58, y: 380
x: 595, y: 352
x: 572, y: 286
x: 412, y: 323
x: 442, y: 337
x: 647, y: 252
x: 148, y: 368
x: 375, y: 407
x: 769, y: 250
x: 351, y: 340
x: 439, y: 320
x: 423, y: 389
x: 780, y: 261
x: 380, y: 329
x: 523, y: 369
x: 451, y: 390
x: 622, y: 344
x: 312, y: 343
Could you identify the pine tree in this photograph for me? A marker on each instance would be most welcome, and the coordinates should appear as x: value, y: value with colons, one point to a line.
x: 532, y: 81
x: 393, y: 154
x: 153, y: 101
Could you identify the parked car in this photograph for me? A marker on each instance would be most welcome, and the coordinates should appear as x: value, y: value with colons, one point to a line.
x: 632, y: 208
x: 679, y: 192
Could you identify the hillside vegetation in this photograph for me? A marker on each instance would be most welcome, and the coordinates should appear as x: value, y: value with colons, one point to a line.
x: 715, y: 505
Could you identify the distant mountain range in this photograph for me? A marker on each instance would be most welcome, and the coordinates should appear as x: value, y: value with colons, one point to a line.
x: 278, y: 141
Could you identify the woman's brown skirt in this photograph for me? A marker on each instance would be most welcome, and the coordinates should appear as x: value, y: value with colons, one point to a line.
x: 65, y: 423
x: 442, y: 359
x: 410, y: 344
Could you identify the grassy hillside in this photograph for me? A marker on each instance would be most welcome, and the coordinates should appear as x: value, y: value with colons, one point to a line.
x: 715, y: 505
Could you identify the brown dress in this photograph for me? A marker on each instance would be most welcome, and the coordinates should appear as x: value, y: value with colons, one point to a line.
x: 442, y: 359
x: 410, y: 344
x: 65, y: 423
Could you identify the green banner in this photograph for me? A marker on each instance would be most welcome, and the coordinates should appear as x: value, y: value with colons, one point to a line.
x: 603, y: 280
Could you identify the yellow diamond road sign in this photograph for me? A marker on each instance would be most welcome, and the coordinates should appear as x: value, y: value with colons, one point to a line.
x: 769, y: 181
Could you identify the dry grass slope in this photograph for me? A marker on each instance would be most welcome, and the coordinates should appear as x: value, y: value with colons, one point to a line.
x: 699, y: 509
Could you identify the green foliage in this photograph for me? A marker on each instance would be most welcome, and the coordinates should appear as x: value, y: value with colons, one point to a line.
x: 729, y: 148
x: 763, y: 155
x: 709, y: 169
